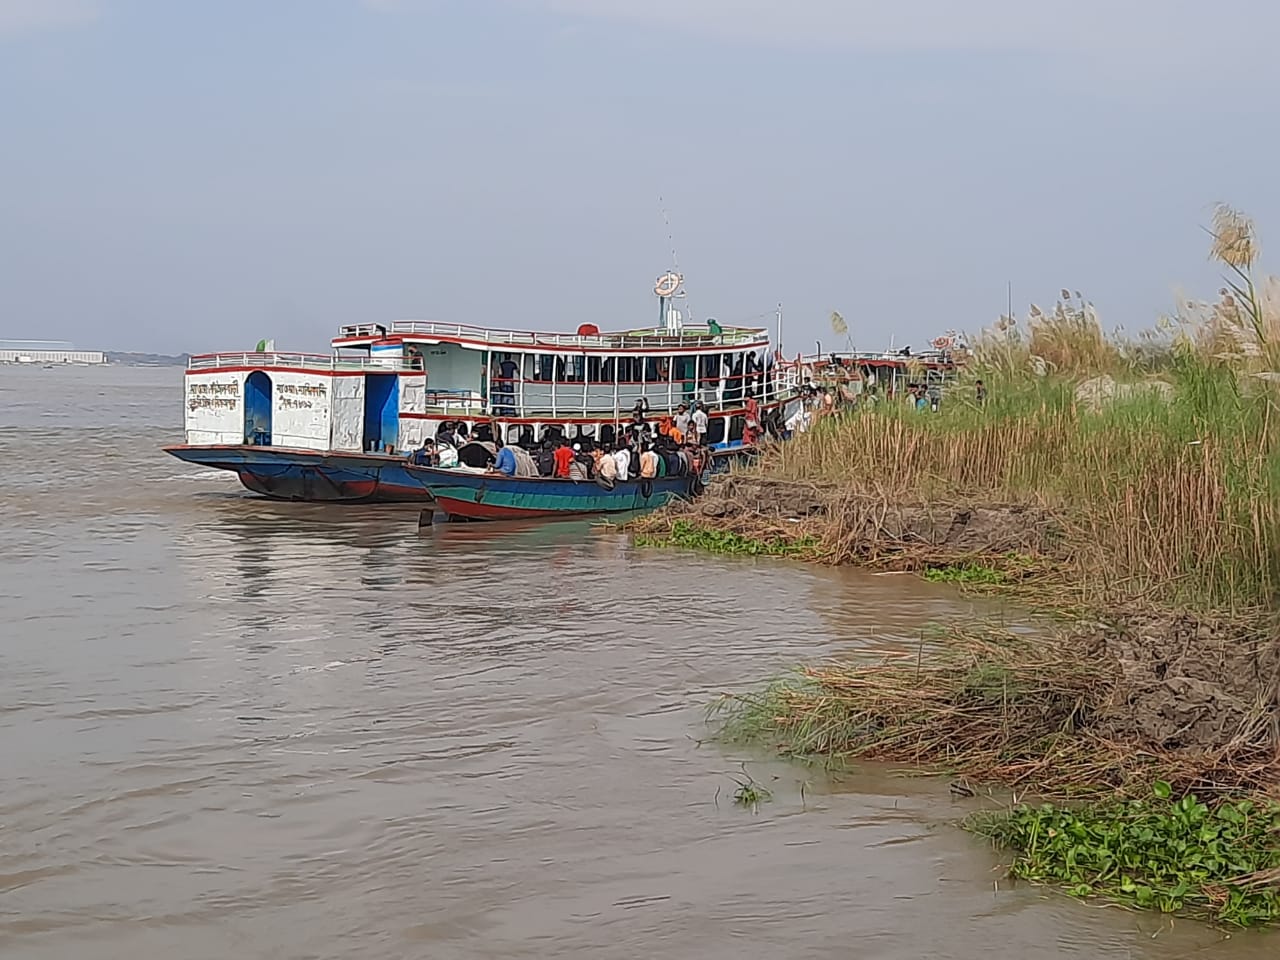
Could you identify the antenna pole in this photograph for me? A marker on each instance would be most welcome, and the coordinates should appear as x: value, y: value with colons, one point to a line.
x: 1010, y: 314
x: 779, y: 347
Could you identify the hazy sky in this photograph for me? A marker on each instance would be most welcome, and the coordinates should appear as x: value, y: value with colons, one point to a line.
x: 182, y: 175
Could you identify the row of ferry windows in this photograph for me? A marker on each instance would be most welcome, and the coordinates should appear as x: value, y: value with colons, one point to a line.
x: 569, y: 368
x: 525, y: 436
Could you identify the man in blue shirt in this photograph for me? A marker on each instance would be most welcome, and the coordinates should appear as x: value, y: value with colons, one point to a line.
x: 506, y: 462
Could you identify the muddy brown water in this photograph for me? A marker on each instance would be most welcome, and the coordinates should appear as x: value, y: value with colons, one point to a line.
x: 236, y: 728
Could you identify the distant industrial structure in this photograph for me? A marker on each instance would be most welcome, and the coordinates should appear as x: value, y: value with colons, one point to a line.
x: 47, y: 351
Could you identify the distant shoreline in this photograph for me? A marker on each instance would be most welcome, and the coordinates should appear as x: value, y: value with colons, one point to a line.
x: 130, y: 359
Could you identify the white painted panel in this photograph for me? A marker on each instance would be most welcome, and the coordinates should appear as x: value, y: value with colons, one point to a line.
x: 214, y: 405
x: 413, y: 399
x: 301, y: 403
x: 413, y: 394
x: 347, y: 411
x: 452, y: 367
x: 412, y: 433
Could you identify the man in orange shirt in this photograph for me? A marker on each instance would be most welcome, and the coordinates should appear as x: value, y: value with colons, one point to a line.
x: 564, y: 457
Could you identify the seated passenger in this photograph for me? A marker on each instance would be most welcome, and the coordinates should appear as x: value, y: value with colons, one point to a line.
x: 563, y: 457
x: 648, y: 463
x: 622, y: 463
x: 578, y: 465
x: 505, y: 463
x: 606, y: 468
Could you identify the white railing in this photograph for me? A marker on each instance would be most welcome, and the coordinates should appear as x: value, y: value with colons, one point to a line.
x: 299, y: 361
x: 631, y: 340
x: 575, y: 398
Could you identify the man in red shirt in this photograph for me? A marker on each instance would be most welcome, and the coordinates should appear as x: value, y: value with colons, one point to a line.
x: 564, y: 457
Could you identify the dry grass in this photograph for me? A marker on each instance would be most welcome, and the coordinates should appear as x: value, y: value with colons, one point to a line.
x: 995, y: 708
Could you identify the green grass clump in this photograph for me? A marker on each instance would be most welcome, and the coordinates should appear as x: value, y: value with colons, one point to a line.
x: 686, y: 533
x: 1218, y: 862
x: 966, y: 573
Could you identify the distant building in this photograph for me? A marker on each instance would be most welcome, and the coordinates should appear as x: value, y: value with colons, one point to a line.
x: 47, y: 351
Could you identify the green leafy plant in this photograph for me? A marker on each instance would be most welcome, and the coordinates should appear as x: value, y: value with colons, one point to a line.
x: 686, y: 533
x: 965, y: 573
x: 1174, y: 854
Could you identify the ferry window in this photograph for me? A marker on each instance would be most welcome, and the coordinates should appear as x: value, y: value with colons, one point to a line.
x: 574, y: 368
x: 543, y: 367
x: 735, y: 428
x: 594, y: 372
x: 513, y: 434
x: 715, y: 430
x: 607, y: 433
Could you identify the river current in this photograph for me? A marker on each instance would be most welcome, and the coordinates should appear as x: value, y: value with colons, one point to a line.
x: 233, y: 728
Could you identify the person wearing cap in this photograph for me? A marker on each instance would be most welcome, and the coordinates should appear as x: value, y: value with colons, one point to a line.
x: 578, y: 469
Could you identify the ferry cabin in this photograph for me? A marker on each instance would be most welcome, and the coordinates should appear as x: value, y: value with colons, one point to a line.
x: 386, y: 388
x: 889, y: 372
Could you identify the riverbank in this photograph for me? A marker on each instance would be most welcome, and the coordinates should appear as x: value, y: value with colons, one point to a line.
x: 1131, y: 490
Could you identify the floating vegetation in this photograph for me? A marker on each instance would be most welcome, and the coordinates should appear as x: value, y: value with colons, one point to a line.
x: 1218, y: 861
x: 965, y: 573
x: 686, y: 533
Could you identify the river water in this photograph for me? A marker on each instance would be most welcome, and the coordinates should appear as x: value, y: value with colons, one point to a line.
x: 236, y: 728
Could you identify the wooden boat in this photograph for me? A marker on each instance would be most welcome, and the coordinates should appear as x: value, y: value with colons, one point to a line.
x: 464, y: 495
x: 286, y: 473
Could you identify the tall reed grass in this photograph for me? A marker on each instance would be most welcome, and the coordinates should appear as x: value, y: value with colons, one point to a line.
x: 1160, y: 453
x: 1176, y: 497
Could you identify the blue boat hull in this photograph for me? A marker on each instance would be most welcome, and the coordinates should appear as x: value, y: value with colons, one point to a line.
x: 314, y: 476
x: 283, y: 473
x: 486, y: 496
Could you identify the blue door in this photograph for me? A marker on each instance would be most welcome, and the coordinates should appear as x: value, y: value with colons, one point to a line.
x: 381, y: 411
x: 257, y: 409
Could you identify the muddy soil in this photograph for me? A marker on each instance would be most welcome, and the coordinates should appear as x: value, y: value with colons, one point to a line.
x: 857, y: 523
x: 1190, y: 685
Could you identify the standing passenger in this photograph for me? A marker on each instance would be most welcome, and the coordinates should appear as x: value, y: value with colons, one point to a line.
x: 751, y: 424
x: 700, y: 424
x: 682, y: 420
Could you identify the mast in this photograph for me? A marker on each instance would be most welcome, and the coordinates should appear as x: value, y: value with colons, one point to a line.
x: 667, y: 287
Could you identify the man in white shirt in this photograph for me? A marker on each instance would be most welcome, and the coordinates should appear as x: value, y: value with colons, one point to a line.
x: 682, y: 419
x: 700, y: 425
x: 622, y: 461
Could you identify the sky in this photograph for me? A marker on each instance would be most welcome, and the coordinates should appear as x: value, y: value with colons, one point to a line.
x: 194, y: 176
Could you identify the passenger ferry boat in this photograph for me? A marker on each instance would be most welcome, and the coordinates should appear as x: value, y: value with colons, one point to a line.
x: 887, y: 372
x: 309, y: 427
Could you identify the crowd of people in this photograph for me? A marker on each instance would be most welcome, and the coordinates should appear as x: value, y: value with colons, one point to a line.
x: 644, y: 448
